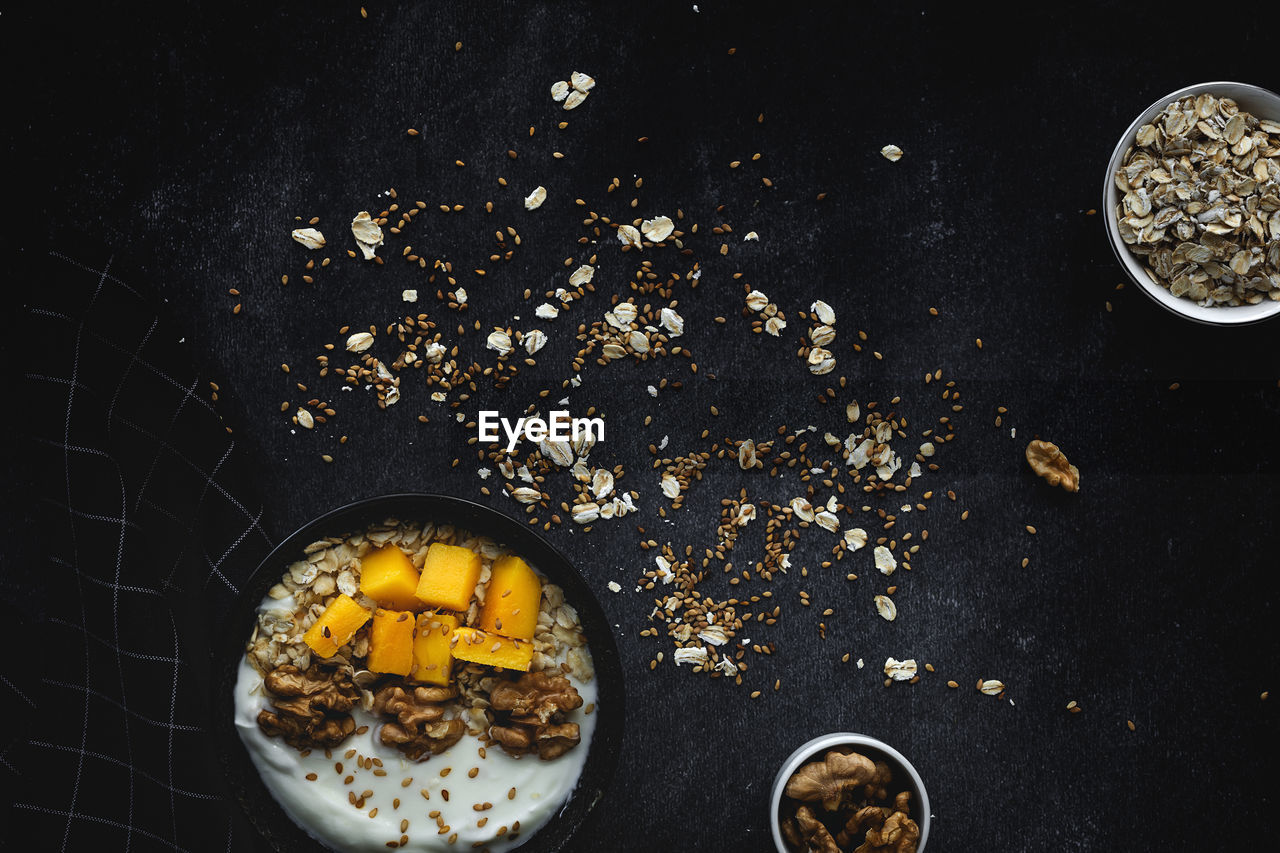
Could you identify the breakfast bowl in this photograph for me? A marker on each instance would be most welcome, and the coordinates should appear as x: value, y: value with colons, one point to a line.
x: 850, y: 782
x: 1192, y: 221
x: 417, y: 672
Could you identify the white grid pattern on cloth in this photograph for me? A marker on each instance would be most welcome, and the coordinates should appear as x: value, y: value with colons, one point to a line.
x: 118, y: 752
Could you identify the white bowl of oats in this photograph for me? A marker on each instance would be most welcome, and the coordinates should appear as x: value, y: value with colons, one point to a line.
x: 413, y: 672
x: 1192, y: 202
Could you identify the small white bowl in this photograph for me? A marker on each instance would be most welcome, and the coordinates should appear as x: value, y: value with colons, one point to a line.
x: 904, y: 775
x: 1262, y: 103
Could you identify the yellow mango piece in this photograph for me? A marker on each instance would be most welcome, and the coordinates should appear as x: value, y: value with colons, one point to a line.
x: 335, y: 627
x: 432, y: 657
x: 389, y: 578
x: 391, y: 642
x: 449, y: 576
x: 476, y: 646
x: 511, y: 599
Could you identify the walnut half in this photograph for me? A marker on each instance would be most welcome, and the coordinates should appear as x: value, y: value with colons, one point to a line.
x: 534, y: 706
x: 1049, y: 462
x: 312, y: 708
x: 419, y: 729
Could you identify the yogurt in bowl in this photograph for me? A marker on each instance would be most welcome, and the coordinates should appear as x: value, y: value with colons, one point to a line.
x: 368, y: 718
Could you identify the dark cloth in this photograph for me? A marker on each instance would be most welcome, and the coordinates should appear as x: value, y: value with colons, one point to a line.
x: 147, y: 525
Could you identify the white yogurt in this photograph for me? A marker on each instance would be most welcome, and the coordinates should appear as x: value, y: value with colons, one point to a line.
x: 323, y: 809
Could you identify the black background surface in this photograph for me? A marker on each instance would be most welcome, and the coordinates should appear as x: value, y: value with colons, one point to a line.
x: 189, y: 136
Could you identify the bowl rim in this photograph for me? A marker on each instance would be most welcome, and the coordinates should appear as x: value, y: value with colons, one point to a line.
x: 812, y: 747
x: 273, y: 825
x: 1223, y: 316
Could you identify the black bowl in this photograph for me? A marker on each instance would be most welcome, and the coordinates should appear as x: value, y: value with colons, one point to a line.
x: 276, y: 828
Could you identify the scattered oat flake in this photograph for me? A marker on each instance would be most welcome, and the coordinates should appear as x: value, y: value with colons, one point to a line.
x: 657, y: 229
x: 670, y: 486
x: 614, y: 586
x: 886, y: 608
x: 775, y: 325
x: 901, y: 670
x: 582, y: 82
x: 546, y: 311
x: 691, y: 654
x: 672, y: 322
x: 309, y: 237
x: 534, y: 340
x: 359, y: 342
x: 884, y: 560
x: 892, y: 153
x: 825, y: 314
x: 368, y: 234
x: 305, y: 420
x: 409, y: 295
x: 582, y: 275
x: 499, y: 341
x: 574, y: 100
x: 559, y: 90
x: 752, y: 236
x: 855, y: 538
x: 629, y: 236
x: 535, y: 199
x: 991, y: 687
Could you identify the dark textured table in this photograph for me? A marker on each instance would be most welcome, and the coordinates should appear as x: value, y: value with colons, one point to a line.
x: 189, y: 137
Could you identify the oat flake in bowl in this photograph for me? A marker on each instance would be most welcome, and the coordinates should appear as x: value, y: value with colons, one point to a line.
x: 1194, y: 190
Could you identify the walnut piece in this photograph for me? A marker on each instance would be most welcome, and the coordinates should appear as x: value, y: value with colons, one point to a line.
x: 419, y: 729
x: 1049, y: 462
x: 817, y: 838
x: 898, y: 834
x: 312, y: 708
x: 827, y: 781
x: 533, y: 708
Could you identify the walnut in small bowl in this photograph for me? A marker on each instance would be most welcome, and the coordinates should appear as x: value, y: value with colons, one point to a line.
x: 848, y: 793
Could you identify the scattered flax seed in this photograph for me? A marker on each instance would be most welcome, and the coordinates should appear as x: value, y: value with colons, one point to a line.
x: 1074, y: 707
x: 1130, y: 724
x: 412, y: 132
x: 1031, y: 530
x: 978, y: 341
x: 1175, y: 386
x: 953, y: 685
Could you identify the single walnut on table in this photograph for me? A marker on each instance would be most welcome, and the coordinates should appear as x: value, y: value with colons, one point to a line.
x: 535, y: 705
x: 420, y: 728
x: 312, y: 708
x: 1049, y: 462
x: 855, y: 807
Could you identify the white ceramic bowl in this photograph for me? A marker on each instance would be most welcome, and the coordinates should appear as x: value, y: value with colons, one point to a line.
x: 1253, y: 99
x: 904, y: 775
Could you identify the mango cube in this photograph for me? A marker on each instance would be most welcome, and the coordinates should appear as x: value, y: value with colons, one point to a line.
x: 511, y: 599
x: 432, y: 657
x: 389, y: 578
x: 336, y: 625
x: 476, y: 646
x: 391, y: 642
x: 449, y: 576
